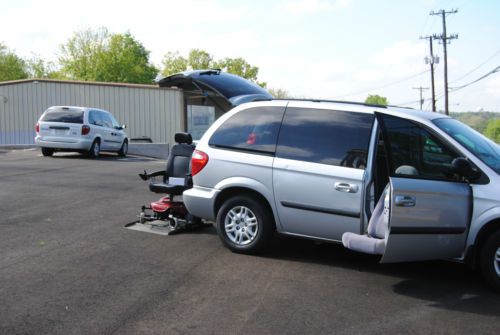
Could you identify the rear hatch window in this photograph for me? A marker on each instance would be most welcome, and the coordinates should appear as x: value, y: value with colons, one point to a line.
x: 63, y: 115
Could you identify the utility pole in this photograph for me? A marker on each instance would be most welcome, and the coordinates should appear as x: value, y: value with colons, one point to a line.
x: 420, y: 88
x: 431, y: 60
x: 445, y: 40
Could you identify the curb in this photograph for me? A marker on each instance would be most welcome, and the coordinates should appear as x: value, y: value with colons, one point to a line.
x: 153, y: 150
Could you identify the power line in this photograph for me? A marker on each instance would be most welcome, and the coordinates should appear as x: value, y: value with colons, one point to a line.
x: 477, y: 67
x: 495, y: 70
x: 408, y: 102
x: 380, y: 87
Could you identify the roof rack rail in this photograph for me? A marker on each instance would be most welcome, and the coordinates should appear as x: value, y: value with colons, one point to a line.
x: 334, y: 101
x: 405, y: 107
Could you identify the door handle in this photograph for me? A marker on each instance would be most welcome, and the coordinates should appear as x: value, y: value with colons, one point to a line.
x: 347, y: 188
x: 405, y: 200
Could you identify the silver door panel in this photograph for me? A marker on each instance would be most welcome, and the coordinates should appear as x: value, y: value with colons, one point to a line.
x: 317, y: 200
x: 429, y: 220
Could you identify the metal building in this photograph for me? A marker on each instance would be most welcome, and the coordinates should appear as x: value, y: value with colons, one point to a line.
x: 147, y: 110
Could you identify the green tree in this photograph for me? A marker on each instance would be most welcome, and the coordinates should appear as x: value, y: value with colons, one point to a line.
x: 125, y: 60
x: 81, y: 55
x: 97, y: 55
x: 40, y: 68
x: 12, y: 67
x: 279, y: 93
x: 493, y: 130
x: 376, y: 99
x: 238, y: 66
x: 173, y: 63
x: 199, y: 59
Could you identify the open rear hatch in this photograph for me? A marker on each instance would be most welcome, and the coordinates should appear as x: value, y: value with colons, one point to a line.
x: 223, y: 89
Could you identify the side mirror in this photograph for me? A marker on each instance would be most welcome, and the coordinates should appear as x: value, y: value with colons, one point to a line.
x: 124, y: 126
x: 464, y: 168
x: 120, y: 127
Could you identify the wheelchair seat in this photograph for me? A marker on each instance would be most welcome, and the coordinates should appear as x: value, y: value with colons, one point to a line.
x: 176, y: 178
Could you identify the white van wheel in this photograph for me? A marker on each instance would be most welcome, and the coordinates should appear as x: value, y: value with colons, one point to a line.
x: 240, y: 225
x: 95, y: 149
x: 124, y: 149
x: 47, y: 152
x: 244, y: 224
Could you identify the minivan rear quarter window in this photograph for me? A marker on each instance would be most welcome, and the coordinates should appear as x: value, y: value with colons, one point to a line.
x: 325, y: 136
x: 253, y: 130
x: 63, y: 115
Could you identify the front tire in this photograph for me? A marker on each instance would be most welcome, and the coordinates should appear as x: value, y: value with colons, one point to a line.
x: 47, y: 152
x: 124, y: 149
x: 245, y: 225
x: 490, y: 260
x: 95, y: 149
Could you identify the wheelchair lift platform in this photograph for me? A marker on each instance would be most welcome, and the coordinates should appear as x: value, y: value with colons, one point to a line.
x: 158, y: 227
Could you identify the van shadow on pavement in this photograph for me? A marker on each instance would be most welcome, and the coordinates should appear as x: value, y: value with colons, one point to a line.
x: 444, y: 284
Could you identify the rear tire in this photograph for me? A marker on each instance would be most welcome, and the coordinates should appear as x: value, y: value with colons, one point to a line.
x: 245, y: 225
x: 490, y: 260
x: 47, y: 152
x: 95, y: 149
x: 124, y: 149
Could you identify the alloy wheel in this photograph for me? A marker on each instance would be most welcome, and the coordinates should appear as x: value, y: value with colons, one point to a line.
x: 241, y: 225
x: 97, y: 149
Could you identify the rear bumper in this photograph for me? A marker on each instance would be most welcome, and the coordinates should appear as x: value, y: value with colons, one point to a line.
x: 200, y: 201
x: 66, y: 144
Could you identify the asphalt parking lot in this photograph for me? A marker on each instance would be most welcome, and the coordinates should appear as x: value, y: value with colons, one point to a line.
x: 68, y: 266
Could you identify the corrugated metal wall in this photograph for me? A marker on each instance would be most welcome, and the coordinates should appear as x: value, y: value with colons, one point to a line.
x: 147, y: 111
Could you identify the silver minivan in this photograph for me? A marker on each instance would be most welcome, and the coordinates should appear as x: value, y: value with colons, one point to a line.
x: 404, y: 184
x: 82, y: 129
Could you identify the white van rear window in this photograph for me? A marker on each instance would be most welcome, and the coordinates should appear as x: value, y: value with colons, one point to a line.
x: 63, y: 115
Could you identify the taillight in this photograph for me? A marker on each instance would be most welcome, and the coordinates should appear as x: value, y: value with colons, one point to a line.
x: 85, y: 130
x: 37, y: 128
x: 198, y: 161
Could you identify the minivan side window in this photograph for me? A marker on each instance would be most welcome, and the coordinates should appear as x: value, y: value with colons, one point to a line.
x: 114, y: 123
x: 106, y: 120
x: 253, y: 130
x: 95, y: 118
x: 410, y: 144
x: 325, y: 136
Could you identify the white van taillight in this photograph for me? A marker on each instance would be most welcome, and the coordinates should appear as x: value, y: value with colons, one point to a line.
x: 37, y: 128
x: 85, y: 130
x: 198, y: 161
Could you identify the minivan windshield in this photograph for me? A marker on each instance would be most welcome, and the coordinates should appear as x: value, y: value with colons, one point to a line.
x: 63, y: 115
x: 476, y: 143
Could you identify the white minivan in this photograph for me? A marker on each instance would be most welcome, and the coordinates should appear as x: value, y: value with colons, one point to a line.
x: 81, y: 129
x: 404, y: 184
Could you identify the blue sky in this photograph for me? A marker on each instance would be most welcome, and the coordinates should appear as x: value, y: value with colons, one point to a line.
x: 339, y: 49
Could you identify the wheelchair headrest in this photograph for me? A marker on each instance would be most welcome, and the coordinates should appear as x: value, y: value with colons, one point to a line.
x: 407, y: 170
x: 183, y: 138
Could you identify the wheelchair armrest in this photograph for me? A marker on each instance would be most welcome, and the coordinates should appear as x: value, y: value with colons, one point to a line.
x: 146, y: 176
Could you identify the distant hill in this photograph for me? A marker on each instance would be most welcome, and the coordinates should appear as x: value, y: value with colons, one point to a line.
x: 476, y: 120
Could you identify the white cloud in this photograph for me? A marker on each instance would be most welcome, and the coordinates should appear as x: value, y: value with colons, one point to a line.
x: 32, y: 27
x: 401, y: 59
x: 492, y: 86
x: 314, y: 6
